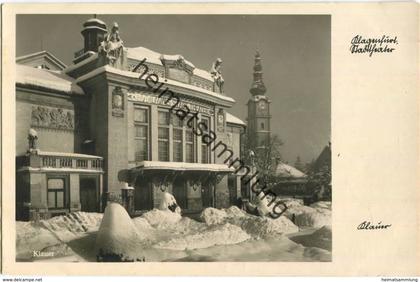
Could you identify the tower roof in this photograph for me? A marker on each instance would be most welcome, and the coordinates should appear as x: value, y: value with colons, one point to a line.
x: 94, y: 23
x: 258, y: 87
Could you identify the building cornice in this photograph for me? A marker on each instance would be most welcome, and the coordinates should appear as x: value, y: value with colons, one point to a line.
x: 131, y: 79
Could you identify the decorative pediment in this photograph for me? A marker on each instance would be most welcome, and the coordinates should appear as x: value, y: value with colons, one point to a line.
x: 177, y: 68
x: 177, y: 62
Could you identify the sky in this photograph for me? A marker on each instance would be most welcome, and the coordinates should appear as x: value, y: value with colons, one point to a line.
x: 295, y: 50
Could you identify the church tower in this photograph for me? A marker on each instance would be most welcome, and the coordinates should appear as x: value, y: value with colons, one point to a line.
x: 259, y: 127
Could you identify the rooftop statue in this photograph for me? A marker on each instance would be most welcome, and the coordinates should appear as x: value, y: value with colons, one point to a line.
x: 112, y: 47
x: 217, y: 75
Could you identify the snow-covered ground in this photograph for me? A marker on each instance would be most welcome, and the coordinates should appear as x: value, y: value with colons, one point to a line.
x: 161, y: 235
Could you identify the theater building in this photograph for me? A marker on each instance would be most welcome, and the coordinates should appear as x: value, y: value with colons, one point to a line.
x: 82, y: 129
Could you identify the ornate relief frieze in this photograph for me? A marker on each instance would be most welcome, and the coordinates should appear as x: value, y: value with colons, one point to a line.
x: 53, y: 118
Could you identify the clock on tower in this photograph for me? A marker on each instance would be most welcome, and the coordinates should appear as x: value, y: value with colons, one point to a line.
x: 262, y: 105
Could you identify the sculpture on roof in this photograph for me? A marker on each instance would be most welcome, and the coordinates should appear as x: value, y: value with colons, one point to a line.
x: 217, y: 75
x: 112, y: 47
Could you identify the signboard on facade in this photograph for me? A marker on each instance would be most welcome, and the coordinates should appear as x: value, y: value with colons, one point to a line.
x: 154, y: 99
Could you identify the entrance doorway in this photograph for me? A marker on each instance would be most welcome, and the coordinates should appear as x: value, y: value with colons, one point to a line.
x: 89, y: 193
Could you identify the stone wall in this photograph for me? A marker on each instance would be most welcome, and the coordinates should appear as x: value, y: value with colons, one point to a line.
x: 53, y: 117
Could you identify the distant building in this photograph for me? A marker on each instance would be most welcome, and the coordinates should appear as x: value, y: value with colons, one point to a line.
x: 323, y: 160
x: 290, y: 182
x: 83, y: 128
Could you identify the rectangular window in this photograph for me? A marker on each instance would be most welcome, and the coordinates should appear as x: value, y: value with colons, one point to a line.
x: 205, y: 150
x: 177, y: 145
x: 141, y: 134
x: 177, y: 125
x: 189, y: 144
x: 56, y: 193
x: 163, y: 136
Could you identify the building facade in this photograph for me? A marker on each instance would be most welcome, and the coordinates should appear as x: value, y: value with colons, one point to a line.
x: 117, y: 115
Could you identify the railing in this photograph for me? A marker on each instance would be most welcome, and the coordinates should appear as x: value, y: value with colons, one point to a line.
x: 71, y: 161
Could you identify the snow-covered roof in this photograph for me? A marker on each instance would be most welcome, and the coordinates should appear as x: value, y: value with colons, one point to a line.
x: 139, y: 53
x: 180, y: 166
x: 235, y: 120
x: 53, y: 80
x: 203, y: 74
x: 26, y: 59
x: 285, y: 170
x: 95, y: 20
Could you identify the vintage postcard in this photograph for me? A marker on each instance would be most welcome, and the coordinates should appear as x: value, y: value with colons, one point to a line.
x: 246, y: 139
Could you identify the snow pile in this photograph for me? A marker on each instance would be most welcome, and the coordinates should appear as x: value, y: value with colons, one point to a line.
x: 72, y: 225
x: 313, y: 219
x: 235, y: 212
x: 262, y: 205
x: 317, y: 215
x: 212, y: 216
x: 225, y: 234
x: 292, y: 202
x: 31, y: 237
x: 59, y: 250
x: 161, y: 219
x: 260, y: 227
x: 168, y: 203
x: 141, y: 223
x: 256, y: 226
x: 117, y: 234
x: 35, y: 236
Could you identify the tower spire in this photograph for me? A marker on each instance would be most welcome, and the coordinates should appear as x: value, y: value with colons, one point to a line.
x: 258, y: 87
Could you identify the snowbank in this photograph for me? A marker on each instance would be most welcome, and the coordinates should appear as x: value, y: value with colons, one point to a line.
x: 313, y: 219
x: 32, y: 237
x: 316, y: 215
x: 256, y: 226
x: 261, y: 227
x: 35, y: 236
x: 212, y: 216
x: 72, y: 225
x: 142, y: 224
x: 117, y: 234
x: 161, y: 219
x: 225, y: 234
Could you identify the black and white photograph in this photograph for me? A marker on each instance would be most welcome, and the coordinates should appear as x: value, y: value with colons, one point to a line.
x: 173, y: 138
